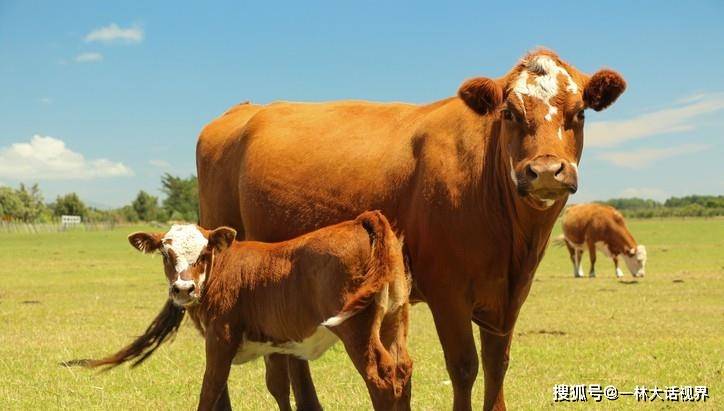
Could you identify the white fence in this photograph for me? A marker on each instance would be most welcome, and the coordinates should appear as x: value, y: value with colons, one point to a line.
x: 20, y: 227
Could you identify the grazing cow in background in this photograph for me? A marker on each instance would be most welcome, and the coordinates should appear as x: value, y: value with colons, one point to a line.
x: 298, y: 297
x: 475, y: 183
x: 599, y: 226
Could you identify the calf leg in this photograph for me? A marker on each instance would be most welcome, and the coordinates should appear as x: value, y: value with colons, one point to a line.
x: 592, y: 256
x: 495, y: 354
x: 224, y: 402
x: 386, y: 370
x: 277, y: 380
x: 220, y: 352
x: 302, y: 384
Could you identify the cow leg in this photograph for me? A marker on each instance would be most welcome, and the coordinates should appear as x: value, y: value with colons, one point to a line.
x: 619, y: 273
x: 579, y: 263
x: 219, y: 354
x: 495, y: 355
x: 454, y: 329
x: 302, y: 384
x: 592, y: 257
x: 277, y: 380
x: 572, y: 254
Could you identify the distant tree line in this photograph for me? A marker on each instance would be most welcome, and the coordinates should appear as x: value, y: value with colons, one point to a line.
x: 688, y: 206
x: 181, y: 203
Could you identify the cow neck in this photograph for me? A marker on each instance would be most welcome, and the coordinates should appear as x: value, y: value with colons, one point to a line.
x: 525, y: 228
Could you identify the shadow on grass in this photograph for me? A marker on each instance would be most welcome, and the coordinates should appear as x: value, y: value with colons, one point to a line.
x: 628, y: 282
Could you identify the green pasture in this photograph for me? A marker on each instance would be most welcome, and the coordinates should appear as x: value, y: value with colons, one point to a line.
x: 86, y: 294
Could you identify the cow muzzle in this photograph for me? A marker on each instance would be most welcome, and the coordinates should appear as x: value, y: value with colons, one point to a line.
x: 548, y: 178
x: 183, y: 292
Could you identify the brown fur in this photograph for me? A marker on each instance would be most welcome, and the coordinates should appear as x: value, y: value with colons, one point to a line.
x: 603, y: 89
x: 282, y: 292
x: 439, y: 171
x: 481, y: 94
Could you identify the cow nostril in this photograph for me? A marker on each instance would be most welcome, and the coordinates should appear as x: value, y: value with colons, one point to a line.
x: 175, y: 289
x: 560, y: 169
x: 192, y: 288
x: 530, y: 173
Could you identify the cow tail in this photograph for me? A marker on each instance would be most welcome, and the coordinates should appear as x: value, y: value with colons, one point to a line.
x: 559, y: 241
x: 386, y: 280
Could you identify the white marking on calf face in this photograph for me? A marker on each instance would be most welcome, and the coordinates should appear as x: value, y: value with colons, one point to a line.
x: 187, y: 242
x: 545, y: 85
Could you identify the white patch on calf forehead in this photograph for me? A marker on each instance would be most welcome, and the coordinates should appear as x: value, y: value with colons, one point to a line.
x: 545, y: 85
x: 187, y: 242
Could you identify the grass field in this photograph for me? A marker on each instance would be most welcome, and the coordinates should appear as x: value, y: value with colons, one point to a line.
x: 80, y: 295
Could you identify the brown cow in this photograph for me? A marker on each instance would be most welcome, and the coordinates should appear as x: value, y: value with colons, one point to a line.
x: 599, y: 226
x: 475, y: 182
x: 297, y: 297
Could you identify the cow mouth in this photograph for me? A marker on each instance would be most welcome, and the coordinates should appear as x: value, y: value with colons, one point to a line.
x: 542, y: 199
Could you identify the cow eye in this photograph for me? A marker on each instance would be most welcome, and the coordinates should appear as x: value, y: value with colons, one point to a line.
x: 509, y: 115
x: 581, y: 115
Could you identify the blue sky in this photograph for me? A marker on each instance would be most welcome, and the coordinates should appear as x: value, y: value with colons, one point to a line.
x: 101, y: 99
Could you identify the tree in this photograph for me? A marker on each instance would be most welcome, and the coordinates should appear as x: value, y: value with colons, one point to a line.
x: 10, y: 205
x: 182, y: 197
x: 69, y: 204
x: 25, y: 204
x: 146, y: 206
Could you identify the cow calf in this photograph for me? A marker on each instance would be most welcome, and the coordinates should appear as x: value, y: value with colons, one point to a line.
x: 249, y: 299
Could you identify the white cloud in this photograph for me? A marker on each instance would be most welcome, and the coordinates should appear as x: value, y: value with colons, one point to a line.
x: 88, y: 58
x: 160, y: 163
x: 642, y: 158
x: 669, y: 120
x: 45, y: 100
x: 115, y: 34
x: 644, y: 192
x: 47, y: 158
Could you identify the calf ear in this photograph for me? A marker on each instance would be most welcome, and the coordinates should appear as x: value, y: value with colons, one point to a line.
x: 145, y: 242
x: 603, y: 88
x: 221, y: 238
x: 481, y: 94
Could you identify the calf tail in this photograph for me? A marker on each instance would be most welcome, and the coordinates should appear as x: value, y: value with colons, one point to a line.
x: 163, y: 327
x: 386, y: 279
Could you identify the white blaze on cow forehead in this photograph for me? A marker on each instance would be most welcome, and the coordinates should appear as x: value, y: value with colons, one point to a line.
x: 545, y: 85
x: 187, y: 242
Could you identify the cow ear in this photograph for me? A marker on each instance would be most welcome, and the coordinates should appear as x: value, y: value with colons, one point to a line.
x: 221, y: 238
x: 603, y: 88
x: 145, y: 242
x: 481, y: 94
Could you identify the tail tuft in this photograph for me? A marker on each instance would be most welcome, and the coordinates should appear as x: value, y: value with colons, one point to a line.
x: 559, y: 241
